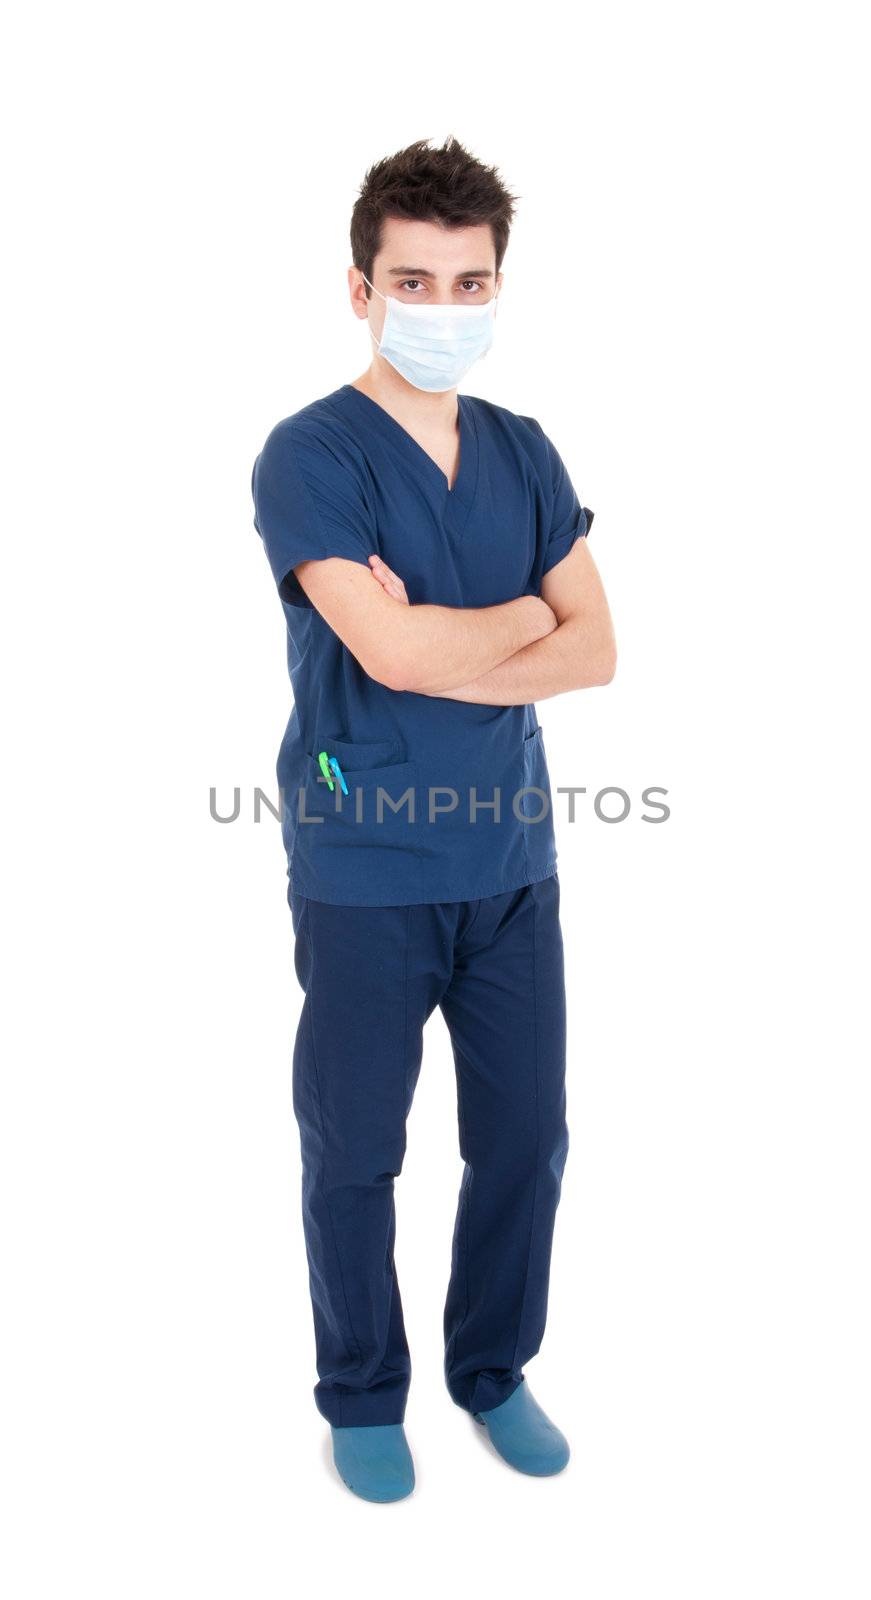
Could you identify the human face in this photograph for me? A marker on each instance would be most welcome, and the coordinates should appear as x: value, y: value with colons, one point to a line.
x: 425, y: 263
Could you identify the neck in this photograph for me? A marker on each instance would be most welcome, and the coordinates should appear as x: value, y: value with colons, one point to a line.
x: 432, y: 413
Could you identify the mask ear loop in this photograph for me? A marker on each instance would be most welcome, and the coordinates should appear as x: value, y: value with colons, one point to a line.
x: 385, y: 298
x: 372, y: 286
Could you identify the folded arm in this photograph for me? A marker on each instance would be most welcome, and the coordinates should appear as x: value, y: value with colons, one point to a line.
x: 580, y: 653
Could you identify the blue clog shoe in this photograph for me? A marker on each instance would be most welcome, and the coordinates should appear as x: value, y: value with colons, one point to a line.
x: 374, y: 1462
x: 524, y: 1436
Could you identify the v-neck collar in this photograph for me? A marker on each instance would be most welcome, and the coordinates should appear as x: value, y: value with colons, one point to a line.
x: 460, y: 497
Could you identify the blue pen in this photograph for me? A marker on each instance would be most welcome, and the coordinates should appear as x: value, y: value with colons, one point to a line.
x: 339, y: 774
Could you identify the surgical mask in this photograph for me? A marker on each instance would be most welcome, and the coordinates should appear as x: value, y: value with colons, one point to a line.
x: 433, y: 346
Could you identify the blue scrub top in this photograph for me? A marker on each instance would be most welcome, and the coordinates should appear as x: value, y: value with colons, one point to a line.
x: 443, y: 794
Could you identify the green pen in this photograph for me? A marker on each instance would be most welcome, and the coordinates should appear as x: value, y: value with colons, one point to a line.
x: 325, y: 768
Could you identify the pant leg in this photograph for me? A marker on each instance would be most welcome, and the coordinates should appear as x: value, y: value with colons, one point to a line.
x: 371, y: 975
x: 505, y: 1009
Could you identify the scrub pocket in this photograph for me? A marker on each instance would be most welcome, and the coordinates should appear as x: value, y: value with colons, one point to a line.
x: 471, y: 842
x: 536, y: 808
x: 345, y: 843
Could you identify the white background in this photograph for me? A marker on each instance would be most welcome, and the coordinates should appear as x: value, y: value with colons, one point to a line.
x: 685, y: 311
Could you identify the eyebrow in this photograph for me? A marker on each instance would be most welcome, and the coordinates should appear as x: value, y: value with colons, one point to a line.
x: 424, y: 272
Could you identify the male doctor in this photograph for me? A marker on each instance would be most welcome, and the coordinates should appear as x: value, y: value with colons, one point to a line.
x: 430, y: 555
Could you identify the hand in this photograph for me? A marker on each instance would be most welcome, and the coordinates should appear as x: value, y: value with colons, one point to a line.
x: 541, y: 617
x: 388, y: 580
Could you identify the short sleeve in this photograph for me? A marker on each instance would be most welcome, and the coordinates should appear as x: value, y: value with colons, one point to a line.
x: 308, y: 505
x: 569, y: 520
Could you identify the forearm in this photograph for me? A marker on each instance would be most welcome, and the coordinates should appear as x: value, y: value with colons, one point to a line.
x: 573, y: 656
x: 437, y: 649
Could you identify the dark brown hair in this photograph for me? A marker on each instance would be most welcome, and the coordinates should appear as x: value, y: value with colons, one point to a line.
x: 446, y: 184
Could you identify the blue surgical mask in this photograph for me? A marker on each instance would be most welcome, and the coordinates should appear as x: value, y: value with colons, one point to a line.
x: 433, y: 346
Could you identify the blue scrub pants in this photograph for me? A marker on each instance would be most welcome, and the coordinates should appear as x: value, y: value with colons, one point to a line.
x: 372, y: 975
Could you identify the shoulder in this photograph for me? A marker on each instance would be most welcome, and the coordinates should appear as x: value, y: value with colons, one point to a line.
x: 522, y: 434
x: 314, y: 441
x: 512, y: 422
x: 319, y: 422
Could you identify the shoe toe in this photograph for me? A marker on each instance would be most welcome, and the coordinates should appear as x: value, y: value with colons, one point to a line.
x: 374, y: 1463
x: 524, y: 1436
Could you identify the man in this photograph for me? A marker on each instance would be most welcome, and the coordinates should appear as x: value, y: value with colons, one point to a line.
x: 430, y: 553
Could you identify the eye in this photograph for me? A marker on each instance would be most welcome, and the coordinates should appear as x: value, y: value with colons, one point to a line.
x: 475, y: 283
